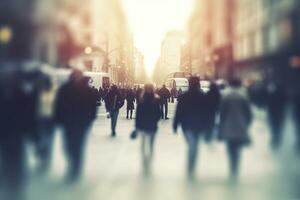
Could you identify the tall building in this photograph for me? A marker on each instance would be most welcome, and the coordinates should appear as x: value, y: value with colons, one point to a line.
x: 266, y: 40
x: 171, y: 51
x: 139, y: 66
x: 208, y: 49
x: 170, y: 56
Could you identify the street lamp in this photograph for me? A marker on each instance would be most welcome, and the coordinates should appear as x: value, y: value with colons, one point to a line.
x: 88, y: 50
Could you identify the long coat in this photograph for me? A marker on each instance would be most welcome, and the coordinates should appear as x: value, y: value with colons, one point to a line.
x: 235, y: 115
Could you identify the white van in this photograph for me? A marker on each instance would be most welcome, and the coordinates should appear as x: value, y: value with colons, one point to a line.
x: 177, y: 83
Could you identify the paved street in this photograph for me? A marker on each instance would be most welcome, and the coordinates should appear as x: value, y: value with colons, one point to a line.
x: 113, y: 170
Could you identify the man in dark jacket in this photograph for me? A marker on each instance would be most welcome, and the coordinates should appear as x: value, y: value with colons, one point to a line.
x: 165, y: 95
x: 213, y: 98
x: 276, y: 107
x: 190, y: 114
x: 173, y: 94
x: 75, y: 111
x: 113, y: 102
x: 147, y: 117
x: 130, y: 99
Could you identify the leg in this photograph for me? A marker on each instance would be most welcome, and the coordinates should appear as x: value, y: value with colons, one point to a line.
x: 114, y: 119
x: 127, y: 114
x: 75, y: 149
x: 233, y: 149
x: 162, y: 110
x: 166, y: 110
x: 192, y: 140
x: 131, y: 111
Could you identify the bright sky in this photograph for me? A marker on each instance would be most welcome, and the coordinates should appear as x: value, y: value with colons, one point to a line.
x: 150, y: 20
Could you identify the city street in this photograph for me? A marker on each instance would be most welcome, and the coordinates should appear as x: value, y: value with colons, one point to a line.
x: 113, y: 167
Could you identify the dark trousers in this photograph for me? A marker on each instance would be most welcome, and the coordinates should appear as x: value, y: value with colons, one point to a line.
x: 192, y: 139
x: 234, y: 150
x: 129, y: 113
x: 276, y: 131
x: 114, y: 118
x: 74, y: 145
x: 45, y: 142
x: 164, y: 110
x: 12, y: 166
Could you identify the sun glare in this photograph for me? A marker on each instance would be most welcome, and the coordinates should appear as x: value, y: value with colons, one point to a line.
x: 150, y: 20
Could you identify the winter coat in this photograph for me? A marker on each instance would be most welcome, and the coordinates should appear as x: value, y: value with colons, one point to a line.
x: 114, y: 100
x: 76, y: 105
x: 235, y: 115
x: 191, y: 112
x: 148, y: 113
x: 130, y: 98
x: 164, y: 94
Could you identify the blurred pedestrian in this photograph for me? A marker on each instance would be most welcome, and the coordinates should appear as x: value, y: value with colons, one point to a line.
x: 101, y: 94
x: 235, y: 119
x: 190, y: 115
x: 179, y: 93
x: 173, y: 94
x: 147, y: 117
x: 130, y: 99
x: 138, y: 94
x: 212, y: 104
x: 276, y: 105
x: 165, y: 95
x: 75, y: 112
x: 18, y: 102
x: 113, y: 102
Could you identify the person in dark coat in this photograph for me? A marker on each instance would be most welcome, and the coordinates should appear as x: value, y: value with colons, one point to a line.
x: 213, y: 97
x: 190, y: 115
x: 130, y: 99
x: 18, y: 99
x: 179, y: 93
x: 138, y: 94
x: 165, y: 95
x: 113, y: 102
x: 101, y: 94
x: 75, y: 112
x: 235, y: 119
x: 276, y: 106
x: 147, y: 117
x: 173, y: 94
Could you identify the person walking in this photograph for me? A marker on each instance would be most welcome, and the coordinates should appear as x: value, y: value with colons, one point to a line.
x: 165, y: 95
x: 235, y: 119
x: 276, y: 106
x: 147, y: 116
x: 113, y: 102
x: 213, y: 97
x: 75, y: 112
x: 173, y: 94
x: 190, y: 115
x: 130, y: 99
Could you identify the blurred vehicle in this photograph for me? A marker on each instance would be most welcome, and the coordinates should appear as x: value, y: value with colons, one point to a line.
x: 97, y: 79
x: 205, y: 85
x: 179, y: 75
x: 221, y: 83
x: 177, y: 83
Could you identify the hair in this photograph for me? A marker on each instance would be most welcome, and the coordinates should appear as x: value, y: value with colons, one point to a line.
x: 149, y: 88
x: 194, y: 83
x: 235, y: 82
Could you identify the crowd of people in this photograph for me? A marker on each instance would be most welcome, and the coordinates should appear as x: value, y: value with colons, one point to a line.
x: 32, y: 111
